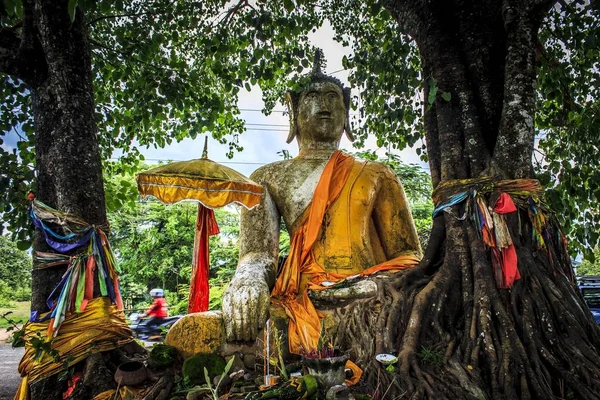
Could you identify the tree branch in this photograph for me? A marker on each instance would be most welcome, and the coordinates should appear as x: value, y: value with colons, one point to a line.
x: 234, y: 9
x: 512, y: 154
x: 128, y: 55
x: 405, y: 15
x: 103, y: 17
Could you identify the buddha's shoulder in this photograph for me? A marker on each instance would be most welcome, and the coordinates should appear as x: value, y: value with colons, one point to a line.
x: 272, y: 171
x: 377, y: 168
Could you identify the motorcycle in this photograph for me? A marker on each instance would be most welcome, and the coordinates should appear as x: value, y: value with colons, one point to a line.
x: 139, y: 325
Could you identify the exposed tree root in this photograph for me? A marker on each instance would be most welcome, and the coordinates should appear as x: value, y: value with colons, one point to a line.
x: 459, y: 337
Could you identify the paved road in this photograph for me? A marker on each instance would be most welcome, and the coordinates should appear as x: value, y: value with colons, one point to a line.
x: 9, y: 377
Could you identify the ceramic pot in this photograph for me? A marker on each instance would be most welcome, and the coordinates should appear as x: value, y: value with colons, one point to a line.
x: 131, y: 373
x: 329, y: 371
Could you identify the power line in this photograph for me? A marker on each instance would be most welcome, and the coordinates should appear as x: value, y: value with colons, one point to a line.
x: 267, y: 129
x: 174, y: 160
x: 253, y: 124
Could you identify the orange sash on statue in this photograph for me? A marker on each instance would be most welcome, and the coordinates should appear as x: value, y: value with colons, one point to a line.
x: 304, y: 320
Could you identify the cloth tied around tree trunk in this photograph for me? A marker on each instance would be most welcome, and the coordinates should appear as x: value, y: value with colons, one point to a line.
x: 512, y: 195
x: 101, y: 327
x: 75, y: 289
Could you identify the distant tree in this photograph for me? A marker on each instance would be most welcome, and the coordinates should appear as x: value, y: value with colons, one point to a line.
x: 588, y: 267
x: 15, y: 265
x: 154, y: 242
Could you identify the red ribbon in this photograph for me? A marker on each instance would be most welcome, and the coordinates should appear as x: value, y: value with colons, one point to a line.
x: 507, y: 257
x: 206, y: 225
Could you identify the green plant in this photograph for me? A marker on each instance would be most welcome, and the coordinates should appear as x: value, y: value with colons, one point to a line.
x: 163, y: 355
x: 324, y: 348
x: 281, y: 364
x: 18, y: 336
x: 215, y: 391
x: 208, y: 387
x: 43, y: 346
x: 192, y: 370
x: 431, y: 356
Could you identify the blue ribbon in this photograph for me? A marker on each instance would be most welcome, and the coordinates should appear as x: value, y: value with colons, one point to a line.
x: 66, y: 247
x: 452, y: 200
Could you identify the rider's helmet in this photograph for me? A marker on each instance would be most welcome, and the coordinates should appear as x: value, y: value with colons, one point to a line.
x: 157, y: 293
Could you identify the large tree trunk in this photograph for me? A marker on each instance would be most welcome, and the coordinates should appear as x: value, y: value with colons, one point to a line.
x: 69, y: 171
x: 457, y: 334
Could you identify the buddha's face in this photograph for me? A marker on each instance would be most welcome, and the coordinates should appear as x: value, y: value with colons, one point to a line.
x: 321, y: 113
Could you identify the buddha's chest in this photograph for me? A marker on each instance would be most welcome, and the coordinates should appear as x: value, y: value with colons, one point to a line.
x: 294, y: 193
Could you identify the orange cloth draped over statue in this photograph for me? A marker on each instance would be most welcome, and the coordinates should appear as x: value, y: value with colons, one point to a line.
x: 304, y: 321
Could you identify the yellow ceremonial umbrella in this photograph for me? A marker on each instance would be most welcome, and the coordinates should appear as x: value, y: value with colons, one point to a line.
x: 211, y: 184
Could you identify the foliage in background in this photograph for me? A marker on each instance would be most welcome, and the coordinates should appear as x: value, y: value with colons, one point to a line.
x: 153, y: 243
x: 15, y: 273
x: 568, y: 120
x: 589, y: 268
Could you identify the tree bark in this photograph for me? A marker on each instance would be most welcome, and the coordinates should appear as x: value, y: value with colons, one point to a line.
x: 69, y: 170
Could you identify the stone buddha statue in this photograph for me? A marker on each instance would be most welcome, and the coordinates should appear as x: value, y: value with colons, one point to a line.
x: 344, y: 216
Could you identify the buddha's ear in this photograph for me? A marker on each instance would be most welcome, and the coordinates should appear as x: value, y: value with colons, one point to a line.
x: 347, y: 129
x: 289, y: 102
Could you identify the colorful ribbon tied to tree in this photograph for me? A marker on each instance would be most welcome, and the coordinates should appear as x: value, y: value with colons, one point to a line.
x: 487, y: 203
x: 77, y: 324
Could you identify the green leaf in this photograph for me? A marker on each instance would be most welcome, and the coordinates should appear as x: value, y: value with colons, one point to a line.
x: 23, y: 245
x: 433, y: 89
x: 446, y: 96
x: 72, y: 8
x: 19, y: 9
x: 207, y: 378
x: 288, y: 5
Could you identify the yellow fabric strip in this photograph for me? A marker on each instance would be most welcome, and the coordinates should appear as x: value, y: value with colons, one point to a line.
x: 486, y: 184
x: 101, y: 327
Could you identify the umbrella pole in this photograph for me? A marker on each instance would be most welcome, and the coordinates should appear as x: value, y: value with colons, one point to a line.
x: 199, y: 290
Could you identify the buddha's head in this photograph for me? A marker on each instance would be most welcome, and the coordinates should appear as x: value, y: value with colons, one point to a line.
x: 320, y: 111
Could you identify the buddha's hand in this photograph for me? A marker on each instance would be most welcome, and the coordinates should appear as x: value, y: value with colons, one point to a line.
x: 245, y: 306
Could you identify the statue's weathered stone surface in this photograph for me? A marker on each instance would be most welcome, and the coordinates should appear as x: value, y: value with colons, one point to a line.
x: 368, y: 224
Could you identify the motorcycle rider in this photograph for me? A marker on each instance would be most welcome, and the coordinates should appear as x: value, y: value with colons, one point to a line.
x: 157, y: 311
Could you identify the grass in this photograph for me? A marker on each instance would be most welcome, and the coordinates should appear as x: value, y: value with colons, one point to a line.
x: 20, y: 312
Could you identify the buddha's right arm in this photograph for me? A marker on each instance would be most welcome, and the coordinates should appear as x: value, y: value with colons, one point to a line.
x: 259, y: 239
x: 246, y: 301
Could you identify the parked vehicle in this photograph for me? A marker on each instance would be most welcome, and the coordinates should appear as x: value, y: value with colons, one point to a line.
x: 142, y: 331
x: 590, y: 288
